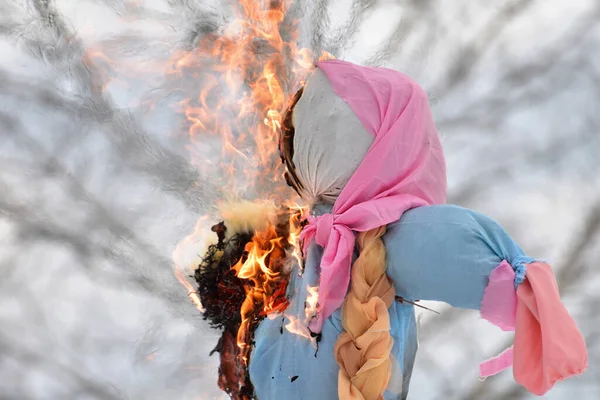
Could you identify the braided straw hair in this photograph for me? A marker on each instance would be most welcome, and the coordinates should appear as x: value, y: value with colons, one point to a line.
x: 363, y: 350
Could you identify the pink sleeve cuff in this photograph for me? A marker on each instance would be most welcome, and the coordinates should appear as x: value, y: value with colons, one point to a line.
x: 499, y: 304
x: 548, y: 345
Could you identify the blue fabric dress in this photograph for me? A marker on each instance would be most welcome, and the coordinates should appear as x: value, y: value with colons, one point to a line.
x: 441, y: 252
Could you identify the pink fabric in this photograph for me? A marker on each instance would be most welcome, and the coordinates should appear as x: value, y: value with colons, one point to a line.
x: 499, y: 304
x: 496, y: 364
x: 548, y: 345
x: 403, y: 169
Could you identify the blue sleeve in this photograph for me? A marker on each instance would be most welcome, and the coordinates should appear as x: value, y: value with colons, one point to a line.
x: 446, y: 253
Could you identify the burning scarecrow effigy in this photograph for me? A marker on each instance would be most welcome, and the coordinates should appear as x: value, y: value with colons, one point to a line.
x: 319, y: 304
x: 242, y: 278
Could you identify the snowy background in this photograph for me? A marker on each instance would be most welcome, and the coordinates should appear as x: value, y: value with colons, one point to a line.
x: 96, y: 187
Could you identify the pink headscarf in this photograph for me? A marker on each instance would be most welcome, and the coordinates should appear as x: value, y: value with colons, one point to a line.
x: 403, y: 169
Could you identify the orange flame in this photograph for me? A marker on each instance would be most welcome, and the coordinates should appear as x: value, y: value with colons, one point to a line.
x: 300, y: 327
x: 266, y: 266
x: 246, y: 77
x: 234, y: 87
x: 298, y: 214
x: 297, y: 327
x: 259, y: 249
x: 234, y: 90
x: 242, y: 83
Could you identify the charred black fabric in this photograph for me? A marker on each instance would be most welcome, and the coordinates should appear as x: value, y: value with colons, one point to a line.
x: 222, y: 295
x: 286, y: 144
x: 221, y: 292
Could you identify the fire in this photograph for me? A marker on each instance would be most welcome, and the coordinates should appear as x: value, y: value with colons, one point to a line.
x: 296, y: 327
x: 300, y: 327
x: 262, y: 246
x: 232, y: 89
x: 311, y: 303
x: 299, y: 213
x: 244, y: 79
x: 267, y: 267
x: 182, y: 259
x: 192, y: 293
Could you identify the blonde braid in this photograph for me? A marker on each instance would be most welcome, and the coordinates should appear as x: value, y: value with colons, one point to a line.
x: 363, y: 350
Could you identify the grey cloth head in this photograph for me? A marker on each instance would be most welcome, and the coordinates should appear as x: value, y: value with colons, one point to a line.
x: 330, y: 142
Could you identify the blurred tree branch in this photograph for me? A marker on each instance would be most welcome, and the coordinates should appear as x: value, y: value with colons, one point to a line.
x: 172, y: 172
x: 73, y: 89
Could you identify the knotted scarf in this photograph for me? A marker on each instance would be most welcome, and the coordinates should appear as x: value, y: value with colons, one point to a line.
x: 404, y: 168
